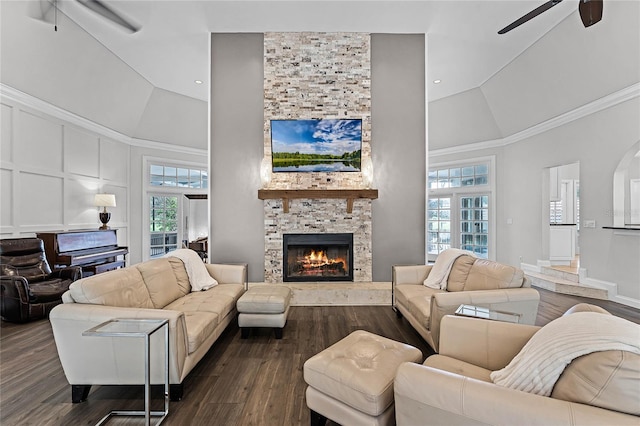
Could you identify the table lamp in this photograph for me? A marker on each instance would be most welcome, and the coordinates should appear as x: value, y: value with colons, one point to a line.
x: 104, y: 201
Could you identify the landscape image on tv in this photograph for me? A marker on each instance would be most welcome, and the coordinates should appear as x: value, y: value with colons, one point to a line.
x: 329, y: 145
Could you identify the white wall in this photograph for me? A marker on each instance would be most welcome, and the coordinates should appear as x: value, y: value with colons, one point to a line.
x: 598, y: 142
x: 460, y: 119
x: 175, y: 119
x: 52, y: 162
x: 51, y: 168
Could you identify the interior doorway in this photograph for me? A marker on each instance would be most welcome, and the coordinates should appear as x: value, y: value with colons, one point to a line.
x: 564, y: 216
x: 195, y: 229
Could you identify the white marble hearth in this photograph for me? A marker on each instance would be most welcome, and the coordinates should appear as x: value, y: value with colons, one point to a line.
x: 337, y: 293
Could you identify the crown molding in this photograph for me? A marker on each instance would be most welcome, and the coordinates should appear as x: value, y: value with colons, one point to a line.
x: 37, y: 104
x: 144, y: 143
x: 605, y: 102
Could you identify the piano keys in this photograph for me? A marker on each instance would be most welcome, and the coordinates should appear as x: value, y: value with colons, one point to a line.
x: 95, y: 251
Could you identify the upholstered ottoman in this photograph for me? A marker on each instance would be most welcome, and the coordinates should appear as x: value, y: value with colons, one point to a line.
x: 264, y: 306
x: 351, y: 382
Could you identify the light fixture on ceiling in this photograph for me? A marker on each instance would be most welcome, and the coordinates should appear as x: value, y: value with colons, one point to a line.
x: 197, y: 81
x: 437, y: 81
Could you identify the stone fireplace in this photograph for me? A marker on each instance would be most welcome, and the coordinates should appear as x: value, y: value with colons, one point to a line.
x: 317, y: 75
x: 317, y: 257
x: 318, y: 216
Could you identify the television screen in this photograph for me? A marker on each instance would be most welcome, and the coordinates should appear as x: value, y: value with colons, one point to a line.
x: 330, y: 145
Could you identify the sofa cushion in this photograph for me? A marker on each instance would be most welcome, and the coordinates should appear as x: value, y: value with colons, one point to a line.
x: 200, y: 326
x: 220, y: 300
x: 122, y: 287
x: 459, y: 273
x: 607, y: 379
x: 489, y: 275
x: 417, y: 299
x: 161, y: 281
x: 182, y: 279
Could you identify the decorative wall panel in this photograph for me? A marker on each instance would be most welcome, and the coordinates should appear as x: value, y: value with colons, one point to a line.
x: 6, y: 188
x: 6, y: 132
x: 40, y: 144
x: 79, y: 209
x: 81, y: 152
x: 52, y: 168
x: 114, y: 161
x: 40, y: 200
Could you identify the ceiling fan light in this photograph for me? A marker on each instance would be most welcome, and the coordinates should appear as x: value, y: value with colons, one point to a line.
x: 590, y: 11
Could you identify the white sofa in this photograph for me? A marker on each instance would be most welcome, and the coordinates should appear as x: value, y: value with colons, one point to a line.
x: 471, y: 281
x: 157, y: 288
x: 454, y: 387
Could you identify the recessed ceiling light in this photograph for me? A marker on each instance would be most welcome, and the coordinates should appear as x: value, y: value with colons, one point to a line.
x: 198, y: 81
x: 437, y: 81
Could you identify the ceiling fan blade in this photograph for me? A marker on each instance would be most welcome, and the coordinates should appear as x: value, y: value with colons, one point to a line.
x: 102, y: 9
x: 590, y: 11
x: 535, y: 12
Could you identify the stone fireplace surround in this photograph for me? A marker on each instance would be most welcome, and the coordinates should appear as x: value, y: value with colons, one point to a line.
x: 317, y: 75
x: 318, y: 216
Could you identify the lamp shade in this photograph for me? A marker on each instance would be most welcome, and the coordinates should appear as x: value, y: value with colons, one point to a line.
x: 105, y: 200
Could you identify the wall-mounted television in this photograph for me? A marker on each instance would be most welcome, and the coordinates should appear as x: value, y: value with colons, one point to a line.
x: 316, y: 145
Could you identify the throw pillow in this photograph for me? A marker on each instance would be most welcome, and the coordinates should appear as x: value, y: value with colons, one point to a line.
x: 199, y: 277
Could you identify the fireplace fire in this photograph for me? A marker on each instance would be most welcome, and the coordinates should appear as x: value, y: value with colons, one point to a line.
x: 318, y: 257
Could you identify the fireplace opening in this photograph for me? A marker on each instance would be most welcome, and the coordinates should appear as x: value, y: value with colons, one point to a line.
x: 317, y: 257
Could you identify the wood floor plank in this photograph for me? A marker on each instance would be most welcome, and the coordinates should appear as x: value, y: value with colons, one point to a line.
x: 254, y: 381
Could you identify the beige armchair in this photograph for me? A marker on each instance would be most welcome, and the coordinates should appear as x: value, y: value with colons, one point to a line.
x: 471, y: 281
x: 454, y: 386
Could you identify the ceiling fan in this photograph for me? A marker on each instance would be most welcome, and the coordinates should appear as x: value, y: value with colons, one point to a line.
x: 590, y: 13
x: 97, y: 6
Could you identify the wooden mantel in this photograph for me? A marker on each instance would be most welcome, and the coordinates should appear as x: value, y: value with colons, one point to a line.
x: 290, y: 194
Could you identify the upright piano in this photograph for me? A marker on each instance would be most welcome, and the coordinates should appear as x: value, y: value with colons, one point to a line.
x: 95, y: 251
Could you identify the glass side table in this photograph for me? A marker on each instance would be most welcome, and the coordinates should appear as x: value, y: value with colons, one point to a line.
x: 487, y: 313
x: 141, y: 328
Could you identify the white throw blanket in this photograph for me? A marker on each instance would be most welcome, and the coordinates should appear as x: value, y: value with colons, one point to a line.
x: 199, y: 277
x: 439, y: 274
x: 542, y: 360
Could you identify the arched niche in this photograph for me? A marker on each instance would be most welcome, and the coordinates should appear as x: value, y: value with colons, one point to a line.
x: 626, y: 190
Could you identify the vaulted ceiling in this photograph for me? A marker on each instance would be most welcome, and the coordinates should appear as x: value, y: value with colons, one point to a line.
x: 131, y: 82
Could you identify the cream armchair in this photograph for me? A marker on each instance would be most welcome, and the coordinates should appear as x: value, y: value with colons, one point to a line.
x: 454, y: 386
x: 471, y: 281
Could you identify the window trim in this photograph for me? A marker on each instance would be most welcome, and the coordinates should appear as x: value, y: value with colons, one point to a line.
x: 456, y: 192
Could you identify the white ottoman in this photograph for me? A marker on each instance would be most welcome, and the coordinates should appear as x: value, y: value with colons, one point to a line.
x: 264, y: 306
x: 351, y: 382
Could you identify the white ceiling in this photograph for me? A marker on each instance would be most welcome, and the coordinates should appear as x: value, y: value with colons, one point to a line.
x: 464, y: 49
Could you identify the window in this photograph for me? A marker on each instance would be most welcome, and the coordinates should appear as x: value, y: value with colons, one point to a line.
x: 459, y: 208
x: 457, y: 177
x: 163, y: 224
x: 165, y: 189
x: 439, y: 225
x: 180, y: 177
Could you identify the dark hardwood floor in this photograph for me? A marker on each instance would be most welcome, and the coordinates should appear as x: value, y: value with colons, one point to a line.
x: 257, y: 381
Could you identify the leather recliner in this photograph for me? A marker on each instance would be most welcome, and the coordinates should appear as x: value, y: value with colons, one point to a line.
x: 29, y: 289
